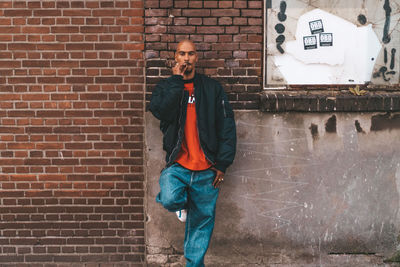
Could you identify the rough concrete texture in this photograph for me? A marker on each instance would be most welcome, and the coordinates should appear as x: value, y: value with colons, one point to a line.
x: 305, y: 189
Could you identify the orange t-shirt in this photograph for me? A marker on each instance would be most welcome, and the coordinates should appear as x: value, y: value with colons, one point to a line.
x: 191, y: 155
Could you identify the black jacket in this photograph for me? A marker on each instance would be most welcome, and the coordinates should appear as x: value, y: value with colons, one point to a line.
x: 215, y: 119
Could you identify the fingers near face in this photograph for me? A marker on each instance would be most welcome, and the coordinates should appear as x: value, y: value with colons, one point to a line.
x: 183, y: 67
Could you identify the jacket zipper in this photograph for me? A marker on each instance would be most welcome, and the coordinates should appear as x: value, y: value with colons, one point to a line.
x: 180, y: 130
x: 198, y: 133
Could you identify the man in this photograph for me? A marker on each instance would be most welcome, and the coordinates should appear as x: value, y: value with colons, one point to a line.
x: 200, y: 142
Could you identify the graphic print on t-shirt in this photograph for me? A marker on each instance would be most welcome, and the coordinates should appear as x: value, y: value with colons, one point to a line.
x: 191, y: 100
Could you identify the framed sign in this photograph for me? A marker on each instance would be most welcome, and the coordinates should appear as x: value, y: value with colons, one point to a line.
x: 331, y: 42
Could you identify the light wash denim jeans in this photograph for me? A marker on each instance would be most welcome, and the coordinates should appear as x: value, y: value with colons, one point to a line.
x: 181, y: 188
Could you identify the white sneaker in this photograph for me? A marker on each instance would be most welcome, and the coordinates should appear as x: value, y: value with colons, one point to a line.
x: 181, y: 214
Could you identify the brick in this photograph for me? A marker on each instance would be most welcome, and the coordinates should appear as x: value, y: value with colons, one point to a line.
x: 255, y: 21
x: 240, y: 4
x: 225, y: 12
x: 157, y: 21
x: 254, y: 38
x: 225, y: 21
x: 17, y: 13
x: 11, y: 258
x: 250, y: 29
x: 252, y: 13
x: 47, y: 13
x: 152, y: 4
x: 155, y: 12
x: 183, y: 29
x: 64, y: 29
x: 210, y: 29
x: 196, y: 12
x: 112, y: 80
x: 231, y: 29
x: 240, y: 21
x: 378, y: 99
x: 209, y: 21
x: 108, y: 46
x: 39, y: 258
x: 255, y: 4
x: 80, y: 46
x: 387, y: 102
x: 395, y: 102
x: 158, y: 29
x: 330, y: 104
x: 250, y: 46
x: 223, y: 46
x: 195, y: 21
x: 195, y: 4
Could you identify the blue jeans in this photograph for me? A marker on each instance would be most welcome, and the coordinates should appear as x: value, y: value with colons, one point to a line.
x: 181, y: 188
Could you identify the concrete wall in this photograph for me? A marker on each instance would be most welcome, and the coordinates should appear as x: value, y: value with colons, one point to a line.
x: 305, y: 188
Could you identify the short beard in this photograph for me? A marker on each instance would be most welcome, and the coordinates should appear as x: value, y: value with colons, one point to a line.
x: 187, y: 72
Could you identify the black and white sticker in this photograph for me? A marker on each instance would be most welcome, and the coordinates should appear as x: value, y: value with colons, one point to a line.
x: 310, y: 42
x: 316, y: 26
x: 325, y: 39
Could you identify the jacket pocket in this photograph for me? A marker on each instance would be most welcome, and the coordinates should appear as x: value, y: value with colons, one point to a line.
x: 170, y: 137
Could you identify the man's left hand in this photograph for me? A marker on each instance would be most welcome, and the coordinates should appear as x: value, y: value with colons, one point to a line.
x: 219, y: 178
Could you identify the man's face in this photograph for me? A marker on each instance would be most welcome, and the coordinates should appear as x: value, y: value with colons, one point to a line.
x: 186, y: 55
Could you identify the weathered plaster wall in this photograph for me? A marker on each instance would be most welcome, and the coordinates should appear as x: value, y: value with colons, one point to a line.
x: 304, y: 188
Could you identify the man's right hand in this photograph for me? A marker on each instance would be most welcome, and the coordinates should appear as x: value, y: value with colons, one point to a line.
x: 179, y: 69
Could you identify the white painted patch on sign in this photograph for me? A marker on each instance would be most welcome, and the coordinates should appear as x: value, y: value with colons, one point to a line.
x: 329, y: 50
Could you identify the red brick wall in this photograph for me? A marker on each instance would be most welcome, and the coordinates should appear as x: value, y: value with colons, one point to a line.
x: 71, y: 132
x: 229, y: 39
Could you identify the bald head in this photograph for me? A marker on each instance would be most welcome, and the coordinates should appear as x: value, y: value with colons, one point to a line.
x: 186, y: 42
